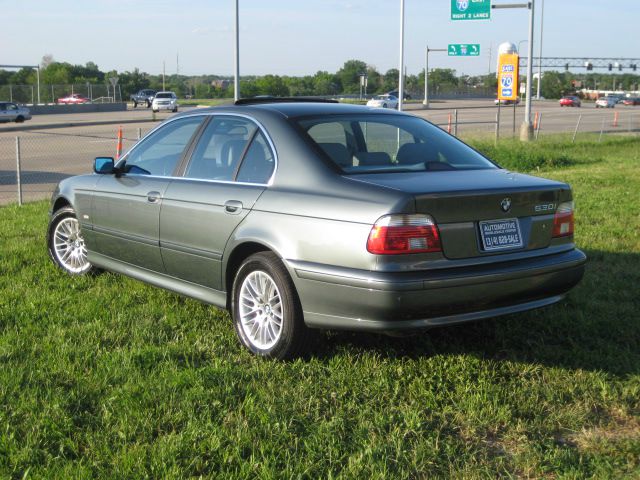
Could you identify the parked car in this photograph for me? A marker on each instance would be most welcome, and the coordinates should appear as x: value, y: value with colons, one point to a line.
x: 12, y: 112
x: 73, y: 99
x: 631, y: 101
x: 299, y: 215
x: 506, y: 102
x: 606, y: 102
x: 570, y: 101
x: 144, y: 96
x: 396, y: 93
x: 165, y: 101
x: 383, y: 101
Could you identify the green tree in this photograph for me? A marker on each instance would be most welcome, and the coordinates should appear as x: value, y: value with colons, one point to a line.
x: 349, y: 75
x: 272, y: 85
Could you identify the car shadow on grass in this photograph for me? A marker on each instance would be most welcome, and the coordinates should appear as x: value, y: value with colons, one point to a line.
x: 596, y: 327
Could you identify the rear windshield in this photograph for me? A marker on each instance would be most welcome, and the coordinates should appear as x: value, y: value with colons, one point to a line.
x: 373, y: 143
x: 164, y: 95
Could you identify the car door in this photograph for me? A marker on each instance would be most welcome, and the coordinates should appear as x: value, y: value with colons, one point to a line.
x: 228, y: 170
x: 126, y: 206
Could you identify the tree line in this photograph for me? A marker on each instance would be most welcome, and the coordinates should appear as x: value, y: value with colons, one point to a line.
x: 347, y: 80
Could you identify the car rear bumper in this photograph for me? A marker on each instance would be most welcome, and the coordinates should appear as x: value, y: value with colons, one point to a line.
x: 358, y: 300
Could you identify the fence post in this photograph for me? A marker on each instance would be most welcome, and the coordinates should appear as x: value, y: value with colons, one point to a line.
x: 615, y: 119
x: 18, y: 171
x: 575, y: 132
x: 514, y: 118
x: 455, y: 125
x: 497, y: 125
x: 539, y: 122
x: 601, y: 131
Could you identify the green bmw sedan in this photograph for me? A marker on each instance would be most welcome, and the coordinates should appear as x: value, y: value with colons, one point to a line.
x: 298, y: 215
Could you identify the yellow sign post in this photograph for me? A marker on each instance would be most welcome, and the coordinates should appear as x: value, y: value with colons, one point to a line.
x: 508, y: 76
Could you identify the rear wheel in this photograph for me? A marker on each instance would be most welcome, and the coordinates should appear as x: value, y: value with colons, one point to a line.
x: 66, y: 243
x: 19, y: 119
x: 266, y: 310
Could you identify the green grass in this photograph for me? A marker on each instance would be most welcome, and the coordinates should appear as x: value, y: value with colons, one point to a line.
x: 105, y: 377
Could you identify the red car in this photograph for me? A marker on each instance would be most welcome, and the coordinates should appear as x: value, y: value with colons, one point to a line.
x: 570, y: 101
x: 74, y: 98
x: 631, y: 101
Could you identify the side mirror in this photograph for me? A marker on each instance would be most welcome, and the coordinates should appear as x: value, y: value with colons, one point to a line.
x: 103, y: 165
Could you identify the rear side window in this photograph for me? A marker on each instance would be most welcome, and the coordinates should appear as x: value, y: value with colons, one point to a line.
x: 258, y: 163
x: 159, y: 153
x: 390, y: 143
x: 220, y: 149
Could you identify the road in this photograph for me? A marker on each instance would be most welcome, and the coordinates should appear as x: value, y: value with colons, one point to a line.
x: 53, y: 150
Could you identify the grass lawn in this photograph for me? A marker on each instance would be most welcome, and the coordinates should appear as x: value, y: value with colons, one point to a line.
x: 104, y: 377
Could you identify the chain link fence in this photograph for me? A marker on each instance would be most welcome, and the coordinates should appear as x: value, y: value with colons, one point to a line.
x: 28, y: 94
x: 32, y: 163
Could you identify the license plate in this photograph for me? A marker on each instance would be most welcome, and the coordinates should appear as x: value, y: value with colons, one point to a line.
x: 500, y: 234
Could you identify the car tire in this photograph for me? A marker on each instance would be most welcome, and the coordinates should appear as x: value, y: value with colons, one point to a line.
x: 135, y: 104
x: 384, y: 105
x: 175, y: 110
x: 19, y: 119
x: 155, y: 111
x: 266, y: 310
x: 66, y: 243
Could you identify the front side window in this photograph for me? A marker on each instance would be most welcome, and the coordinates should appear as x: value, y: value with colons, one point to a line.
x: 160, y: 153
x: 391, y: 143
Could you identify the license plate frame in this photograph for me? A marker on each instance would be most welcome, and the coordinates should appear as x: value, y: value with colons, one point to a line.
x: 505, y: 236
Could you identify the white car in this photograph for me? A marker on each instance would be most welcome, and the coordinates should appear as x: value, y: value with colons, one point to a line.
x: 11, y: 112
x: 165, y: 101
x: 383, y: 101
x: 606, y: 102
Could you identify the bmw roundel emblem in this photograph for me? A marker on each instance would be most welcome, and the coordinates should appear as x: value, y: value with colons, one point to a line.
x: 505, y: 204
x: 462, y: 5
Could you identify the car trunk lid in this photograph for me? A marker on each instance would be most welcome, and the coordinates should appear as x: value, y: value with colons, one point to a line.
x: 482, y: 212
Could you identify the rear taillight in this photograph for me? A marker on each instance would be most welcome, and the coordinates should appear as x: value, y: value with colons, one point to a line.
x: 398, y: 234
x: 563, y: 220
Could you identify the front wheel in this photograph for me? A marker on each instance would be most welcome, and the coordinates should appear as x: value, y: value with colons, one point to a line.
x: 135, y: 104
x: 266, y: 311
x: 66, y: 243
x: 19, y: 119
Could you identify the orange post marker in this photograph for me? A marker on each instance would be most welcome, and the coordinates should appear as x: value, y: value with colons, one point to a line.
x: 615, y: 119
x: 119, y: 146
x: 449, y: 125
x: 535, y: 121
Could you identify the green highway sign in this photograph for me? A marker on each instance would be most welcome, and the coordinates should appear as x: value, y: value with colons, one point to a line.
x: 470, y: 9
x: 463, y: 49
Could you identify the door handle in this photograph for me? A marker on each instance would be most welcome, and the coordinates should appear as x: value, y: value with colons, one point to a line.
x: 233, y: 207
x: 153, y: 197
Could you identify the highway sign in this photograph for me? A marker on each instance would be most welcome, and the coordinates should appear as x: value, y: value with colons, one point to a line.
x: 463, y: 49
x: 508, y: 76
x: 470, y: 9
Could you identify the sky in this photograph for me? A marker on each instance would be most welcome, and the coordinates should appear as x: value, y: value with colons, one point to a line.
x: 289, y: 37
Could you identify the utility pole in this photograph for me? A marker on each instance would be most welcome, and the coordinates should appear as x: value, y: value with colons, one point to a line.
x: 401, y: 70
x: 236, y: 79
x: 540, y: 51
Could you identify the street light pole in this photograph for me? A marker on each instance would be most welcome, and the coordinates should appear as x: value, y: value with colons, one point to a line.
x: 526, y: 130
x: 425, y: 102
x: 236, y: 79
x: 401, y: 72
x: 540, y: 51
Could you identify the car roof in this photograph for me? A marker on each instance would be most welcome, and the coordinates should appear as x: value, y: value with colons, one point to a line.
x: 299, y: 109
